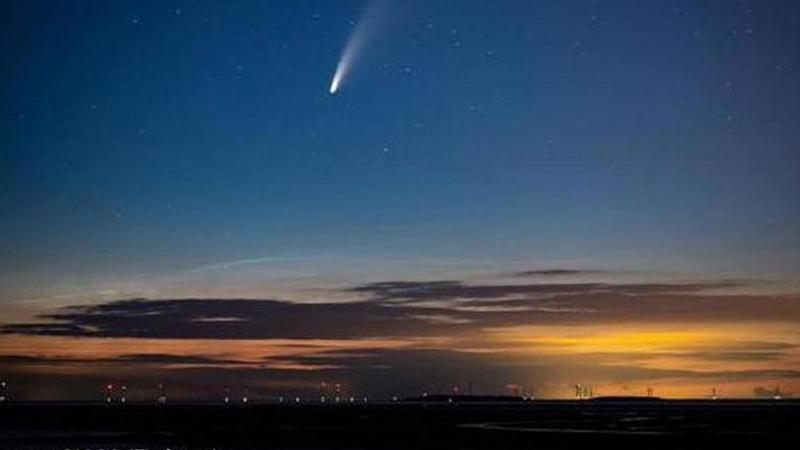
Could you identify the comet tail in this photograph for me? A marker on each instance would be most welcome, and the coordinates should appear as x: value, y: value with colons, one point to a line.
x: 356, y: 43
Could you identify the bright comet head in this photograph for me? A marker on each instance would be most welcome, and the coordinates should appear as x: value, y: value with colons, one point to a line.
x: 335, y: 83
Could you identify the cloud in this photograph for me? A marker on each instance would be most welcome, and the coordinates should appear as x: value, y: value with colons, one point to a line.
x: 138, y: 358
x: 732, y: 356
x: 411, y: 308
x: 243, y: 319
x: 559, y: 272
x: 420, y: 291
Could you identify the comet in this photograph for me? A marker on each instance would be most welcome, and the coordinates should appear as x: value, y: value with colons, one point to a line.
x: 361, y: 35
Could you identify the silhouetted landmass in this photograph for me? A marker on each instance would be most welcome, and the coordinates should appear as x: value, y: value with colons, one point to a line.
x: 399, y: 425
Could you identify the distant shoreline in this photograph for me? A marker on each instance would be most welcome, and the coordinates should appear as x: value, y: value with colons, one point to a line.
x: 443, y: 400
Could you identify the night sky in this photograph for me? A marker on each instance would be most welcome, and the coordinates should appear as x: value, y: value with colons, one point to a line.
x: 520, y: 195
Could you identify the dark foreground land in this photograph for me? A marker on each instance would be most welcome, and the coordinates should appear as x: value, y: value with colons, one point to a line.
x: 535, y: 425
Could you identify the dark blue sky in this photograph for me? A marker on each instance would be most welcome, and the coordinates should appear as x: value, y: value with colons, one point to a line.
x: 148, y: 138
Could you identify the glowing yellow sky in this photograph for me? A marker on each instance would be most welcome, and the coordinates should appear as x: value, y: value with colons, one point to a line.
x: 667, y: 347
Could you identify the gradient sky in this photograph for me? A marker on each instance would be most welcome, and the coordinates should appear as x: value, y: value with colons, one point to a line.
x: 603, y: 192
